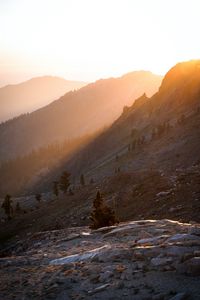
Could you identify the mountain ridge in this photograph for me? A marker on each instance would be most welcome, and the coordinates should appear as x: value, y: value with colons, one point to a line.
x: 144, y: 116
x: 74, y: 114
x: 27, y: 96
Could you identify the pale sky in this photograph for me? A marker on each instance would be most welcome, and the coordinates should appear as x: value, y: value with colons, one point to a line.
x: 91, y: 39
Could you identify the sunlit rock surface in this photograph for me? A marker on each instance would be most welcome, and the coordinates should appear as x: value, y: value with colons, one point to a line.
x: 145, y: 259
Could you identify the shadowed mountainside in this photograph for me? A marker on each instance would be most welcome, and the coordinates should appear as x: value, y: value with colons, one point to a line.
x: 160, y: 132
x: 32, y: 94
x: 31, y: 167
x: 76, y: 113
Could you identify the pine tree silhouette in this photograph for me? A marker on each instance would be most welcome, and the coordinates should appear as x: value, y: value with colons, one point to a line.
x: 38, y: 197
x: 82, y: 180
x: 64, y: 182
x: 7, y: 206
x: 56, y: 188
x: 18, y: 208
x: 102, y: 215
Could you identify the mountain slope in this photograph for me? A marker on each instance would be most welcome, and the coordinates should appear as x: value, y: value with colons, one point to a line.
x: 159, y: 133
x: 146, y: 165
x: 74, y: 114
x: 32, y: 94
x: 177, y: 101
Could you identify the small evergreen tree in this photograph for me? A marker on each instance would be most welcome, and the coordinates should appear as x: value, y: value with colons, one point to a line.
x: 102, y: 215
x: 133, y: 145
x: 125, y: 109
x: 56, y: 188
x: 153, y: 135
x: 71, y: 192
x: 18, y: 208
x: 138, y: 143
x: 168, y: 126
x: 182, y: 119
x: 38, y: 197
x: 142, y: 140
x: 134, y: 132
x: 64, y: 182
x: 7, y: 206
x: 82, y: 180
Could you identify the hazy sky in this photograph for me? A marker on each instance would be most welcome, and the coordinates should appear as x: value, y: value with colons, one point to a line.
x: 91, y: 39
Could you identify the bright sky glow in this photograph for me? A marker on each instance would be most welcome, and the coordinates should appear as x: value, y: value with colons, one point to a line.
x: 91, y: 39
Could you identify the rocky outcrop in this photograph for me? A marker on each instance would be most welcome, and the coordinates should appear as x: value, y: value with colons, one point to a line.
x: 148, y: 259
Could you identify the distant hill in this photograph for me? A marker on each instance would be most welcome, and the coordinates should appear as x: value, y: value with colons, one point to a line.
x: 76, y: 113
x: 30, y: 95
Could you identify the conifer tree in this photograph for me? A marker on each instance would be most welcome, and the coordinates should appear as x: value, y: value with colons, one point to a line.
x: 82, y: 180
x: 71, y: 192
x: 102, y: 215
x: 18, y: 208
x: 133, y: 145
x: 153, y: 135
x: 56, y: 188
x: 182, y: 119
x: 7, y: 206
x: 64, y: 182
x: 142, y: 140
x: 38, y: 197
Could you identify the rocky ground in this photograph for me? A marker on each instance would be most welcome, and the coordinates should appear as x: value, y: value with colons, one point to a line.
x: 138, y: 260
x: 148, y: 194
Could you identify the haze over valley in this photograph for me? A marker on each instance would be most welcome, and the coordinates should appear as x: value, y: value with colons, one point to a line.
x: 100, y: 159
x: 74, y: 114
x: 33, y: 94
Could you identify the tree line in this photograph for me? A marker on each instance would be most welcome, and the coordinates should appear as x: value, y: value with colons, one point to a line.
x: 101, y: 214
x: 40, y: 160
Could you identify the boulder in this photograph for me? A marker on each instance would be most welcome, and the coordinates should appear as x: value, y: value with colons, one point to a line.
x: 79, y: 257
x: 193, y: 266
x: 183, y: 237
x: 160, y: 261
x: 121, y: 230
x: 194, y: 230
x: 112, y: 255
x: 179, y: 296
x: 104, y: 277
x: 98, y: 289
x: 152, y: 241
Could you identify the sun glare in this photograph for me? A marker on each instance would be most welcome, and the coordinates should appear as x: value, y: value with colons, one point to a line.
x: 89, y: 39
